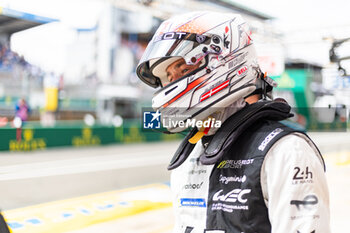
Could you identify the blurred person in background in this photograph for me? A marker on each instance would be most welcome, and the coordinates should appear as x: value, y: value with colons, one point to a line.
x: 250, y: 173
x: 22, y: 110
x: 9, y: 58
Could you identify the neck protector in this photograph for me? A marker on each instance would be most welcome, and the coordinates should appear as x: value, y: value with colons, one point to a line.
x: 230, y: 131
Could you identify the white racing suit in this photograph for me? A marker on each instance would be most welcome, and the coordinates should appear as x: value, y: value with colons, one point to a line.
x: 282, y: 190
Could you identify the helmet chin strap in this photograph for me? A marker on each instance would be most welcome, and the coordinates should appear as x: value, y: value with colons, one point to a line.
x: 264, y: 86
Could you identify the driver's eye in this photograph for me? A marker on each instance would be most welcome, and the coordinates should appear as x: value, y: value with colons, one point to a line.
x: 185, y: 70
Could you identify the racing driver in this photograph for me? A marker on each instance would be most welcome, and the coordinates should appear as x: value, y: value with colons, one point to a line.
x: 252, y: 174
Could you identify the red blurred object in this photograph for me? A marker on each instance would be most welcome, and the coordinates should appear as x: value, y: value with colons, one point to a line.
x: 3, y: 121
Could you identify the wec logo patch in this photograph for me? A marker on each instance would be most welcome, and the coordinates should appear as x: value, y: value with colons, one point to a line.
x: 231, y: 201
x: 233, y: 196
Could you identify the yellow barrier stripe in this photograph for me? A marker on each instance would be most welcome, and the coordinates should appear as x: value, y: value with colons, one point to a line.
x: 77, y: 213
x: 91, y: 196
x: 340, y: 158
x: 343, y: 163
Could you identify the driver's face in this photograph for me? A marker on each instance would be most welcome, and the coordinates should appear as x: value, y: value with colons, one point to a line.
x: 179, y: 69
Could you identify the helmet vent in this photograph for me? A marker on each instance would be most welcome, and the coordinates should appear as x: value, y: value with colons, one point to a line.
x: 216, y: 40
x: 168, y: 91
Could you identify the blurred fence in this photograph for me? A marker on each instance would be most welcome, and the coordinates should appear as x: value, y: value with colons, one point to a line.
x: 35, y: 137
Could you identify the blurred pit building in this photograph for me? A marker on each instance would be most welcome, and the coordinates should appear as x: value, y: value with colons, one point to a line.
x: 99, y: 83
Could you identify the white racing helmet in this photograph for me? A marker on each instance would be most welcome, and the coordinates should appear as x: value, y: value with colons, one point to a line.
x: 228, y: 68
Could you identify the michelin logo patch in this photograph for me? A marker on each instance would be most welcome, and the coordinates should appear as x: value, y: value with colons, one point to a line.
x: 193, y: 202
x: 269, y: 137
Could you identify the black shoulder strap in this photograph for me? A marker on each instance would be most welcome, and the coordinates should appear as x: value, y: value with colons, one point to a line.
x: 257, y: 141
x: 264, y: 136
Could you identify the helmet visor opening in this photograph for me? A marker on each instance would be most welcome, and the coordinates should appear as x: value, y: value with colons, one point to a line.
x: 159, y: 51
x: 165, y: 70
x: 144, y: 73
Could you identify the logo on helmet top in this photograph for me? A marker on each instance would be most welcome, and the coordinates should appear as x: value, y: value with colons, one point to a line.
x: 171, y: 36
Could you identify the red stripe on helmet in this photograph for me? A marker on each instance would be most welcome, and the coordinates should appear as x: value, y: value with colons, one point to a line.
x: 189, y: 87
x: 214, y: 90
